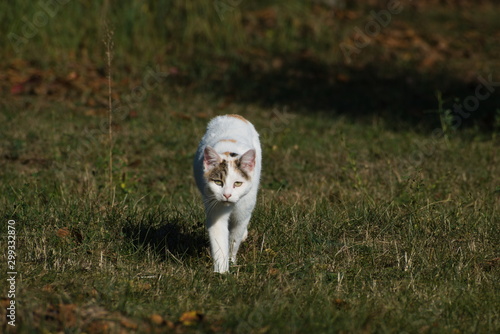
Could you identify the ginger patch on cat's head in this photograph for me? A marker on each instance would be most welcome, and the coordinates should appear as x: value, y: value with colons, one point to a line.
x: 239, y: 117
x: 228, y: 140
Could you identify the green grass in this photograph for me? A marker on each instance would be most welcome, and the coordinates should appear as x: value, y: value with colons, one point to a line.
x: 367, y: 221
x: 341, y: 240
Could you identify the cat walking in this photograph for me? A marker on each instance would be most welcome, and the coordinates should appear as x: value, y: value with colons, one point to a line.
x: 227, y: 168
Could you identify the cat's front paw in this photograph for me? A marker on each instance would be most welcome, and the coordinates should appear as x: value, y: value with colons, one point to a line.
x: 221, y: 268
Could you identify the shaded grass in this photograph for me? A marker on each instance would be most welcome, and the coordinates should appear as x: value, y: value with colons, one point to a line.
x: 282, y: 52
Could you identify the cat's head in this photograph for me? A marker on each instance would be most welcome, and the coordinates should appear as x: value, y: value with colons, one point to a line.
x: 229, y: 175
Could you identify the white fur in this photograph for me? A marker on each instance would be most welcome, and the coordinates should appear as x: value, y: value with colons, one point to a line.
x: 229, y: 207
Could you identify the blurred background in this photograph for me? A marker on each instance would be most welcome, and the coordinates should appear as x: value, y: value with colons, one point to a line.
x: 397, y: 59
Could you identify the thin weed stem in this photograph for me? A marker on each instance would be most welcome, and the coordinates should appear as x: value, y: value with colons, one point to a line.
x: 108, y: 41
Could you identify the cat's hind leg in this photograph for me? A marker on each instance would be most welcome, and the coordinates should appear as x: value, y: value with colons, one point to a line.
x: 238, y: 229
x: 237, y: 234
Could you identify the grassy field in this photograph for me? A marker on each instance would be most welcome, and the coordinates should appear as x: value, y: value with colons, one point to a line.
x: 379, y: 201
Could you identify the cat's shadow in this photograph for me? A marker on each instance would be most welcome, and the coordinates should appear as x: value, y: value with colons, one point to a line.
x: 173, y: 238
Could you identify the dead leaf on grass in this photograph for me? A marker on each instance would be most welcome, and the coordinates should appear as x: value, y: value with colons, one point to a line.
x: 490, y: 264
x: 128, y: 323
x: 191, y: 318
x: 67, y: 314
x: 4, y: 302
x: 74, y: 233
x: 63, y: 232
x: 156, y: 319
x: 273, y: 271
x: 48, y: 288
x: 340, y: 303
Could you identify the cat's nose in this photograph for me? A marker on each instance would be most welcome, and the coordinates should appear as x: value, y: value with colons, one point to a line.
x: 227, y: 196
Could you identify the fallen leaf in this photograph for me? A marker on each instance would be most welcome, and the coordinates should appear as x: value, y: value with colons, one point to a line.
x: 273, y: 271
x: 191, y: 318
x: 48, y: 288
x: 156, y: 319
x: 490, y: 264
x: 170, y: 324
x: 63, y: 232
x: 128, y: 323
x: 99, y: 326
x: 340, y: 303
x: 4, y: 302
x: 72, y: 76
x: 269, y: 250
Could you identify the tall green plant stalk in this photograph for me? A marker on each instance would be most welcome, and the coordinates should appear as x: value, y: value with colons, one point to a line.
x: 109, y: 56
x: 445, y: 117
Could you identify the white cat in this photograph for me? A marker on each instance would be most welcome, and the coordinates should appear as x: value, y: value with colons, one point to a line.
x: 227, y: 169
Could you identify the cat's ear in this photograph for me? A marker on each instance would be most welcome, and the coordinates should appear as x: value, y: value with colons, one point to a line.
x: 210, y: 158
x: 247, y: 161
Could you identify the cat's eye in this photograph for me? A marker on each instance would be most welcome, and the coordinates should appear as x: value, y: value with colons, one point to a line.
x: 219, y: 183
x: 238, y: 184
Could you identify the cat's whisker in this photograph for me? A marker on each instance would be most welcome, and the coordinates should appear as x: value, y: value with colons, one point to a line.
x: 211, y: 205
